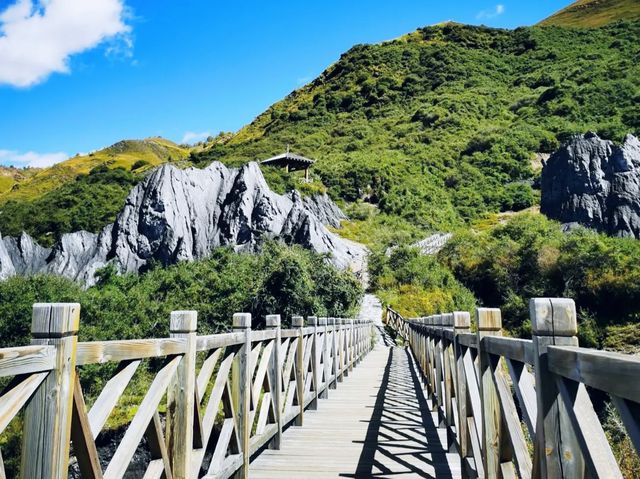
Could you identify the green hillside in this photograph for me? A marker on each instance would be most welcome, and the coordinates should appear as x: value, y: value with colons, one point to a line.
x: 124, y: 154
x: 442, y: 126
x: 595, y: 13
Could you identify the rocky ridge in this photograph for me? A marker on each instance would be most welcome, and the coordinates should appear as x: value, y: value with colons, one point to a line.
x: 595, y: 183
x: 182, y: 215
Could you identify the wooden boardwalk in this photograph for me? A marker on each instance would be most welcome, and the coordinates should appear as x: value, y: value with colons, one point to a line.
x: 376, y: 424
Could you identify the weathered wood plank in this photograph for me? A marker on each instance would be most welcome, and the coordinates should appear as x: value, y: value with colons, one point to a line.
x: 12, y: 402
x: 83, y: 441
x: 109, y: 396
x: 517, y: 349
x: 613, y: 373
x: 26, y: 360
x: 148, y: 407
x: 158, y: 448
x: 98, y: 352
x: 215, y: 341
x: 596, y: 451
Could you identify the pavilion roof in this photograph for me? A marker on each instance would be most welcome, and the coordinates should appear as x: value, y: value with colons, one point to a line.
x: 295, y: 162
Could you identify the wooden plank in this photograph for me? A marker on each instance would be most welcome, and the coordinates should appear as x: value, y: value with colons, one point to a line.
x: 469, y: 340
x: 274, y: 379
x: 613, y: 373
x: 98, y: 352
x: 630, y: 415
x: 517, y: 349
x: 12, y: 402
x: 213, y: 405
x: 3, y: 474
x: 241, y: 374
x: 215, y: 341
x: 524, y: 387
x: 512, y: 422
x: 26, y: 360
x: 206, y: 370
x: 596, y: 451
x: 148, y: 407
x: 475, y: 447
x: 157, y: 447
x: 155, y: 469
x: 110, y: 395
x: 84, y: 446
x: 47, y: 419
x: 222, y: 445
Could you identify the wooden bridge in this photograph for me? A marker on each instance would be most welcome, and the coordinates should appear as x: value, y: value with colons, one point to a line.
x: 329, y: 398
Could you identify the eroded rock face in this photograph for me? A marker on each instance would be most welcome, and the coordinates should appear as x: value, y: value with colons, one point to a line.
x: 595, y: 183
x: 182, y: 215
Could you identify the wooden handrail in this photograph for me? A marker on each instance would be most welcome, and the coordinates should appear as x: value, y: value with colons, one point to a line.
x: 496, y: 395
x: 230, y: 393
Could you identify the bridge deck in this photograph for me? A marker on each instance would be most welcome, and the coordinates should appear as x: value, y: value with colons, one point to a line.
x: 376, y: 424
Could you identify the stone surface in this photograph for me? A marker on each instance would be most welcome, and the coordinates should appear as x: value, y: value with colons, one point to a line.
x: 182, y: 215
x: 595, y: 183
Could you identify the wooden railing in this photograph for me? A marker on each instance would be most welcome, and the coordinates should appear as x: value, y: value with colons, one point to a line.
x: 522, y: 408
x: 227, y: 395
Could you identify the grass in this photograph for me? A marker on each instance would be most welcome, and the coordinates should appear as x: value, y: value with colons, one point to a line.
x: 595, y: 13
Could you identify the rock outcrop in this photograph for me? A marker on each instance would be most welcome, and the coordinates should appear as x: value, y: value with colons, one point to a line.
x: 182, y: 215
x: 595, y: 183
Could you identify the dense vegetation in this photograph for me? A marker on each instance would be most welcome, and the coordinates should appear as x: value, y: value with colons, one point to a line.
x: 442, y: 125
x: 279, y: 280
x: 529, y: 256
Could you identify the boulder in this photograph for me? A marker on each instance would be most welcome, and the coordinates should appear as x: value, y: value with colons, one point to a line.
x: 595, y: 183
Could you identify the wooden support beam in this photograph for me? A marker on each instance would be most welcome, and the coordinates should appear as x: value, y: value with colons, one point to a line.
x: 275, y: 373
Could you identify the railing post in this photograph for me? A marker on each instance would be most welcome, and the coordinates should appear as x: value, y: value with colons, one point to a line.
x: 438, y: 363
x: 326, y: 362
x: 298, y: 323
x: 47, y: 416
x: 447, y: 323
x: 315, y: 362
x: 241, y: 389
x: 273, y: 322
x: 344, y: 330
x: 334, y: 352
x: 181, y: 395
x: 557, y: 452
x: 351, y: 347
x: 489, y: 321
x: 461, y: 325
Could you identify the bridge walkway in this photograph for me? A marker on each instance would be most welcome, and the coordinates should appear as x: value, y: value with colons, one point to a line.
x: 378, y: 423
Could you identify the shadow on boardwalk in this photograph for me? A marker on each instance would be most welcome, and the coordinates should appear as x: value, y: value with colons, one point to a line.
x: 402, y: 437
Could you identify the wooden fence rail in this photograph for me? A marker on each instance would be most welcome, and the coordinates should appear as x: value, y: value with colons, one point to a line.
x: 212, y: 402
x: 523, y: 408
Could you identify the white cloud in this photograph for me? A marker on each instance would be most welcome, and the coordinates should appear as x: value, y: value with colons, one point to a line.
x: 487, y: 14
x: 38, y: 38
x: 193, y: 137
x: 31, y: 158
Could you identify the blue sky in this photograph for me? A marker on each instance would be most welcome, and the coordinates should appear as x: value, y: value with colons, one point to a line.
x: 78, y: 75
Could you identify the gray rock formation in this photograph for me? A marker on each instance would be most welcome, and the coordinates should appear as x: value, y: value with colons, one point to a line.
x: 595, y: 183
x: 182, y: 215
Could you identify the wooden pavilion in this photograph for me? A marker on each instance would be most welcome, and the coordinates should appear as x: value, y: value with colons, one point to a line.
x: 291, y: 162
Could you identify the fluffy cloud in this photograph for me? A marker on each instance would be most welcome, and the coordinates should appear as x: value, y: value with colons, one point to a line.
x: 486, y: 14
x: 37, y: 38
x: 31, y: 158
x: 193, y: 137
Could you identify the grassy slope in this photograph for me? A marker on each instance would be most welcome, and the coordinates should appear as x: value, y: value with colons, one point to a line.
x: 440, y: 126
x: 595, y: 13
x: 123, y: 154
x: 10, y: 176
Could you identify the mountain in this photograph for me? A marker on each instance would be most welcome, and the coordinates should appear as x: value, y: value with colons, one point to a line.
x: 442, y: 126
x: 178, y: 215
x: 435, y: 130
x: 124, y: 154
x: 595, y: 13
